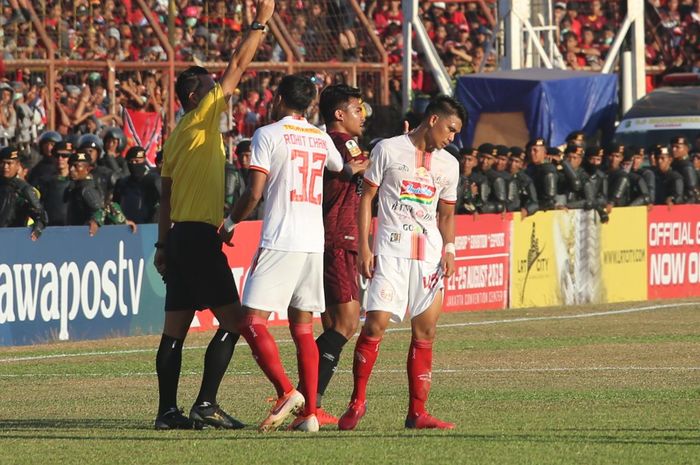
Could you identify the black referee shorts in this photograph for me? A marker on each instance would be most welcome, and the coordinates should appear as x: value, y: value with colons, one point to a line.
x: 197, y: 274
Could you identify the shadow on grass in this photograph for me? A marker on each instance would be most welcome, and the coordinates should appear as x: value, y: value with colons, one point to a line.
x: 70, y: 423
x: 56, y: 429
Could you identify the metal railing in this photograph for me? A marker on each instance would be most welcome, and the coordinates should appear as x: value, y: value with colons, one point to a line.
x: 355, y: 72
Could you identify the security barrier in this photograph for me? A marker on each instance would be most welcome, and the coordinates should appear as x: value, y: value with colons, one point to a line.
x: 69, y: 286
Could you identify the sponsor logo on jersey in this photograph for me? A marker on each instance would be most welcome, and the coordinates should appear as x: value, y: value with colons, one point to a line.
x: 414, y: 228
x: 353, y: 148
x: 441, y: 180
x: 291, y: 127
x: 422, y: 172
x: 417, y: 192
x: 395, y: 237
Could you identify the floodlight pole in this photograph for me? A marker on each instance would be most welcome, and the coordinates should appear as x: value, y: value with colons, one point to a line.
x: 635, y: 9
x: 413, y: 24
x: 634, y: 26
x: 513, y: 13
x: 409, y: 10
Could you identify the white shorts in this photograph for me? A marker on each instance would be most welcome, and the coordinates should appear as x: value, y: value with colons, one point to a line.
x: 398, y: 283
x: 278, y: 280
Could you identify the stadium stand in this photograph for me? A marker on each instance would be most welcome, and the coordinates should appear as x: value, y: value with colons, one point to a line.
x: 86, y: 66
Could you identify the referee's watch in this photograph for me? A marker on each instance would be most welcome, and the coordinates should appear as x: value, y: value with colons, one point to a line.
x: 257, y: 26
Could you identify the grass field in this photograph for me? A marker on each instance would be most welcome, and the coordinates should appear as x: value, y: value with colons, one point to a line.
x: 588, y: 385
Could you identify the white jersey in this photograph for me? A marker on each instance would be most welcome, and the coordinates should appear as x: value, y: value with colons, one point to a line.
x: 410, y: 184
x: 293, y: 154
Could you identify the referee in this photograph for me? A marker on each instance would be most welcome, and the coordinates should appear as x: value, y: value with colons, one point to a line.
x: 188, y: 251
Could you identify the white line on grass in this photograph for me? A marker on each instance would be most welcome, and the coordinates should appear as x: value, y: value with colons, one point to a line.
x: 393, y: 370
x: 558, y: 317
x: 390, y: 330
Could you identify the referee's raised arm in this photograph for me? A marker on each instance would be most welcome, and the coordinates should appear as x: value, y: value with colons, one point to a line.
x: 242, y: 57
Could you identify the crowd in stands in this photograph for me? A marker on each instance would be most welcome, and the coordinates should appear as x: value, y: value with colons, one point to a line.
x: 322, y: 30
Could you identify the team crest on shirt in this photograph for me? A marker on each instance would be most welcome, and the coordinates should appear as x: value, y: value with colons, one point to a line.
x: 353, y: 148
x: 387, y: 293
x: 422, y: 172
x: 417, y: 192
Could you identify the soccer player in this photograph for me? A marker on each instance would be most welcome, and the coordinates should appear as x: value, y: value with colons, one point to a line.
x: 286, y: 276
x: 416, y: 181
x: 344, y: 113
x: 188, y: 251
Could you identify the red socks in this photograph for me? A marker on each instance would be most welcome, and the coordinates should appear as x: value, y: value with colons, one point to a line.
x: 419, y: 369
x: 307, y: 360
x: 366, y: 351
x: 265, y: 352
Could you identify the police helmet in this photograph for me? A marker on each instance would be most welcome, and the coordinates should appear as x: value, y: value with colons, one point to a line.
x: 90, y: 141
x: 115, y: 133
x: 49, y: 136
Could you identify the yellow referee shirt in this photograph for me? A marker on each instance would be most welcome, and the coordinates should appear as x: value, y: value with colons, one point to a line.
x: 194, y: 158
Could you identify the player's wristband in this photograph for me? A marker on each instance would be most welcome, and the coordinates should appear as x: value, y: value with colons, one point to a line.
x: 450, y: 248
x: 229, y: 225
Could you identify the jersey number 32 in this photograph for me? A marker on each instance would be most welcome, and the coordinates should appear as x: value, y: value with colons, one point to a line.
x: 308, y: 173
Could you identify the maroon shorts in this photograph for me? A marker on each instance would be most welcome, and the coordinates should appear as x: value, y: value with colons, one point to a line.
x: 340, y: 276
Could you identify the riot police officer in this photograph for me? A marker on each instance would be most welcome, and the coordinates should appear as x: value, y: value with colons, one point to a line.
x: 593, y: 163
x: 683, y: 166
x: 468, y: 200
x: 668, y: 184
x: 577, y: 138
x: 618, y: 179
x: 235, y: 177
x: 114, y: 143
x: 502, y: 159
x: 47, y: 165
x: 53, y: 188
x: 492, y: 189
x: 573, y: 179
x: 105, y: 177
x: 543, y: 173
x: 522, y: 195
x: 19, y: 201
x: 639, y: 187
x: 695, y: 156
x: 137, y: 194
x: 85, y: 201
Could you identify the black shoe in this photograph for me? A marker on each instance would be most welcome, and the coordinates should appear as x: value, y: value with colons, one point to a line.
x: 208, y: 414
x: 173, y: 419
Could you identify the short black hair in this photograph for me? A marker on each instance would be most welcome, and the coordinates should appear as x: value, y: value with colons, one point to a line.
x: 188, y: 82
x: 297, y: 92
x: 444, y: 105
x: 335, y: 97
x: 243, y: 146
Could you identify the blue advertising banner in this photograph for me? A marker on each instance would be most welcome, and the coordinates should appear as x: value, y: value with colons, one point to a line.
x: 70, y: 286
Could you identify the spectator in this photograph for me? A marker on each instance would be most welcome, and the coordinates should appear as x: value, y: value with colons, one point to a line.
x: 8, y: 115
x: 136, y: 193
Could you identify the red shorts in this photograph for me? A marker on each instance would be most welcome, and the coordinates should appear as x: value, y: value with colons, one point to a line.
x: 340, y: 282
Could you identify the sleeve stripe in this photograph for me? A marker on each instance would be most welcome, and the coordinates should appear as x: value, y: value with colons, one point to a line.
x: 257, y: 168
x: 371, y: 183
x: 449, y: 202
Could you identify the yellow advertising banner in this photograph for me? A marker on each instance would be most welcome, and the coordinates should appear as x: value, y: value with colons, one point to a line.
x: 623, y: 255
x: 534, y: 280
x: 570, y: 258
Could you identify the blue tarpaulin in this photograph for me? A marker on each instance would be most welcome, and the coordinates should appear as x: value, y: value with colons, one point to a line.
x: 553, y: 102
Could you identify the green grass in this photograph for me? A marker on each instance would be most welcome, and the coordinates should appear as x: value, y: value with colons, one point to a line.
x: 615, y: 388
